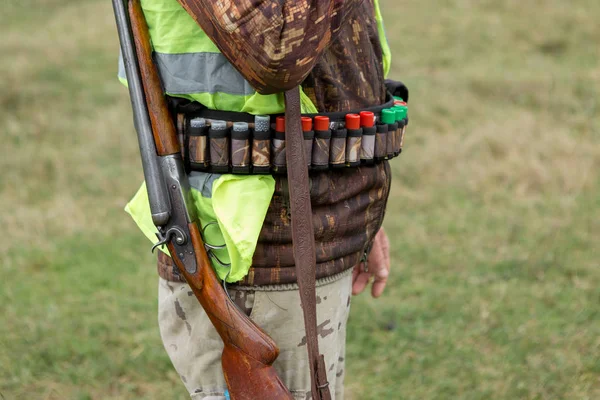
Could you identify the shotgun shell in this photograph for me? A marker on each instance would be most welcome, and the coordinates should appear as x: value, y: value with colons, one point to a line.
x: 320, y: 150
x: 261, y: 145
x: 367, y: 151
x: 354, y: 140
x: 367, y: 119
x: 197, y: 154
x: 219, y: 146
x: 380, y: 142
x: 388, y: 117
x: 280, y: 124
x: 337, y: 153
x: 309, y: 136
x: 240, y: 148
x: 402, y: 117
x: 262, y: 123
x: 278, y: 156
x: 306, y: 124
x: 321, y: 123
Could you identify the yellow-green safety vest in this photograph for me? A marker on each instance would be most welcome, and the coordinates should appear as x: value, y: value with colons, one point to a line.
x: 192, y: 67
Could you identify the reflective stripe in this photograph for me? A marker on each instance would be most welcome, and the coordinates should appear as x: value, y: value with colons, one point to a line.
x: 191, y: 73
x: 191, y: 67
x: 203, y: 182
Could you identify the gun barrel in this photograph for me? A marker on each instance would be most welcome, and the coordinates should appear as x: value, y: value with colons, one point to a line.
x: 158, y: 196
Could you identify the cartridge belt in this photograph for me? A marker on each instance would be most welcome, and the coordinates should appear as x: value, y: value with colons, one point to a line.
x: 241, y: 143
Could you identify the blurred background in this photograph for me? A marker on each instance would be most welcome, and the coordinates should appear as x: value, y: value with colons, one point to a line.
x: 494, y: 214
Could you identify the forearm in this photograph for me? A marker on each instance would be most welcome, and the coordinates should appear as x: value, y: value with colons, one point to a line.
x: 273, y: 44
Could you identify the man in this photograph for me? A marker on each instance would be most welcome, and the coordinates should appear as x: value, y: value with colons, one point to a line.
x: 239, y: 56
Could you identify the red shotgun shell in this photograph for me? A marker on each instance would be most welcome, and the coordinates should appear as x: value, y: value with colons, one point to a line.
x: 367, y: 119
x: 306, y: 124
x: 280, y: 124
x: 352, y: 121
x: 321, y: 123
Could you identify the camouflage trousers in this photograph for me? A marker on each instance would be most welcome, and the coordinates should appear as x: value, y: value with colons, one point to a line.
x: 195, y: 347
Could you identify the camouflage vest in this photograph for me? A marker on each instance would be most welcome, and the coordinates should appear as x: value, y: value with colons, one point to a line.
x: 348, y: 209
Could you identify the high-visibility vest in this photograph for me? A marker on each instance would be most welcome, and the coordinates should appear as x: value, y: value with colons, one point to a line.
x: 192, y: 67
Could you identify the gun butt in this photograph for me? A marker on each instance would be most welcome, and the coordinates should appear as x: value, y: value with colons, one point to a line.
x: 248, y: 378
x: 249, y: 352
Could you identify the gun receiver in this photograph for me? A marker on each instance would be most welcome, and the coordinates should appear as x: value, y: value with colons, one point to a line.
x: 248, y: 352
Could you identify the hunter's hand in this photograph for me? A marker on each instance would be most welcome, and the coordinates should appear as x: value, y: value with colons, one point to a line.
x: 378, y: 267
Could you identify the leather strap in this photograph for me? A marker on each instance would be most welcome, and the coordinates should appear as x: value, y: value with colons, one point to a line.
x: 303, y: 240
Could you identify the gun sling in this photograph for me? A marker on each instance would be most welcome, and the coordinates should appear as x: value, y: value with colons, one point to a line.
x: 303, y: 240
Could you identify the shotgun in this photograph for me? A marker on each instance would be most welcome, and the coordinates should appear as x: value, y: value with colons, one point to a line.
x: 248, y: 352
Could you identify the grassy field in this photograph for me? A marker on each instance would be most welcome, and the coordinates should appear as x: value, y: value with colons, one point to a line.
x: 494, y: 215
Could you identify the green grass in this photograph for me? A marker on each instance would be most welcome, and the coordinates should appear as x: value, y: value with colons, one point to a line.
x: 494, y: 215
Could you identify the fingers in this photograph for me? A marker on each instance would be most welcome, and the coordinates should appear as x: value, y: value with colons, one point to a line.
x: 379, y: 267
x: 360, y: 282
x: 380, y: 261
x: 385, y: 248
x: 377, y: 256
x: 380, y: 271
x: 381, y: 277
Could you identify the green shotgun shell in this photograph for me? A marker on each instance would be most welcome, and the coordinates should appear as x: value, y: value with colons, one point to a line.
x: 388, y: 116
x: 401, y: 112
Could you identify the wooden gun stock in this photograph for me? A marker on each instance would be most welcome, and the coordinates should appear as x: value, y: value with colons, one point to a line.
x: 248, y: 352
